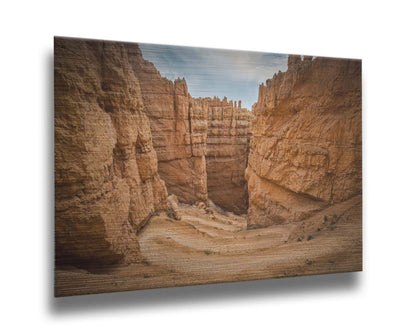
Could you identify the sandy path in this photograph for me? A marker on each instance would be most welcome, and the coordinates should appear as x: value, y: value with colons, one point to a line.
x: 197, y: 244
x: 207, y: 248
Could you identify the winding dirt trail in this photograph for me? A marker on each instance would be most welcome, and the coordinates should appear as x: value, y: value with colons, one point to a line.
x: 217, y: 247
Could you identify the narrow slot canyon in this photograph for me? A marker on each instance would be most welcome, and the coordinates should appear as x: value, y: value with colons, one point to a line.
x: 201, y: 143
x: 157, y: 188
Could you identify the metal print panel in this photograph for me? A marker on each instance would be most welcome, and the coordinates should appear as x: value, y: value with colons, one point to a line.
x: 178, y: 166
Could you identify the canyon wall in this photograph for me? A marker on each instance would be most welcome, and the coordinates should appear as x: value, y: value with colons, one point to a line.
x: 201, y: 143
x: 227, y: 152
x: 106, y: 179
x: 120, y: 128
x: 125, y: 137
x: 305, y: 150
x: 179, y: 128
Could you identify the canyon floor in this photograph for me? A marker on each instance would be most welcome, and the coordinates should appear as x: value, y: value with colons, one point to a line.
x: 217, y: 247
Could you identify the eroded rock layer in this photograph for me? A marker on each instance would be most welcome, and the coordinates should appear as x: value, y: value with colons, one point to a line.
x: 179, y: 128
x: 227, y: 152
x: 106, y: 179
x: 191, y: 168
x: 305, y: 150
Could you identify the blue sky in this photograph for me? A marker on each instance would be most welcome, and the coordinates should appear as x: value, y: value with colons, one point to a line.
x: 216, y: 72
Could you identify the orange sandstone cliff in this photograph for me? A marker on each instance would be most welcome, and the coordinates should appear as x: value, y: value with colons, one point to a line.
x: 305, y: 150
x: 119, y: 125
x: 125, y: 137
x: 201, y: 143
x: 106, y: 179
x: 179, y: 128
x: 227, y: 152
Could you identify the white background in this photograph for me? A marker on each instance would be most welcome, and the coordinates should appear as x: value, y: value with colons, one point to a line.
x: 382, y: 298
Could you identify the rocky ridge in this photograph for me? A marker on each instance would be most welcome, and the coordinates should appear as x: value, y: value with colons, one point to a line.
x: 106, y: 180
x: 305, y: 150
x: 179, y: 129
x: 120, y: 128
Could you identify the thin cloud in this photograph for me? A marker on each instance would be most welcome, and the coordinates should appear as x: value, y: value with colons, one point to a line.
x: 213, y: 72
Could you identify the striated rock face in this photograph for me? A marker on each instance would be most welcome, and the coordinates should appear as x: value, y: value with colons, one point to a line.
x: 179, y: 128
x: 227, y: 153
x: 305, y: 150
x: 192, y: 167
x: 106, y: 179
